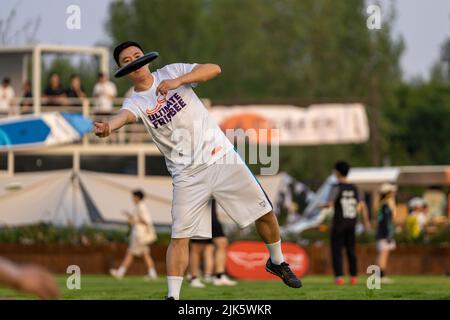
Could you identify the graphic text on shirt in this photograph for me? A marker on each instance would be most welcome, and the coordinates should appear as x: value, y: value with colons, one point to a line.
x: 163, y: 114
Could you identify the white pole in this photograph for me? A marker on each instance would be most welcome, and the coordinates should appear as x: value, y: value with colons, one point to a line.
x: 10, y: 163
x: 104, y: 62
x: 141, y: 164
x: 76, y: 161
x: 37, y: 79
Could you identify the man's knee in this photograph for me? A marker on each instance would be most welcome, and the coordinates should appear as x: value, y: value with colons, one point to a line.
x: 267, y: 218
x: 196, y: 248
x: 179, y: 242
x: 221, y: 242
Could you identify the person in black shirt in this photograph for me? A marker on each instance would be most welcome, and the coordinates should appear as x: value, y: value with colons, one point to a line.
x: 75, y: 90
x: 386, y: 227
x: 54, y: 94
x: 347, y: 202
x: 26, y: 103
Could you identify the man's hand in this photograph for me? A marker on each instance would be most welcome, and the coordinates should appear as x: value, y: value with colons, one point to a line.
x: 102, y: 129
x: 167, y: 85
x: 36, y: 280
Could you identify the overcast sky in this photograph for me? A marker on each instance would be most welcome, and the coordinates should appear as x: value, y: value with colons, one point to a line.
x: 424, y: 24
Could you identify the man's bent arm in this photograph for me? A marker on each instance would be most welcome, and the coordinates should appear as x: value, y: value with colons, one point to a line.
x: 201, y: 73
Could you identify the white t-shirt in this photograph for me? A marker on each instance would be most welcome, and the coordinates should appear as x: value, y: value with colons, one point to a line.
x: 181, y: 127
x: 422, y: 220
x: 6, y: 96
x: 103, y: 91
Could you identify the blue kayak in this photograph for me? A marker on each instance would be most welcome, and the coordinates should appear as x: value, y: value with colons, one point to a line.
x: 46, y: 129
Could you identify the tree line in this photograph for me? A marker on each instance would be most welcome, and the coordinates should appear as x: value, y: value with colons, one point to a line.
x: 309, y: 50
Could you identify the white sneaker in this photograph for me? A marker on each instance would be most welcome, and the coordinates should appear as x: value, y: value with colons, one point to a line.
x: 196, y: 283
x: 208, y: 278
x: 152, y: 274
x: 386, y: 280
x: 150, y: 278
x: 224, y: 281
x: 116, y: 274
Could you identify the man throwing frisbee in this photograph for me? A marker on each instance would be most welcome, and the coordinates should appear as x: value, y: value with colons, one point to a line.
x: 201, y: 160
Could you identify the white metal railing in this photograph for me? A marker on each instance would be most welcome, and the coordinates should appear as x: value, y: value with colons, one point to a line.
x: 133, y: 133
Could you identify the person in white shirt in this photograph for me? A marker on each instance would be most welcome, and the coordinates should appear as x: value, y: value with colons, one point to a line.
x: 142, y: 235
x: 201, y: 160
x: 104, y: 91
x: 7, y: 95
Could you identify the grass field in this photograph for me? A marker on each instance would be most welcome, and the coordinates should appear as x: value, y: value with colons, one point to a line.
x: 314, y: 287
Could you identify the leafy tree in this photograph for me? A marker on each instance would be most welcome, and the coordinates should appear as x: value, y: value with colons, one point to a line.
x: 421, y: 131
x: 420, y: 127
x: 284, y: 50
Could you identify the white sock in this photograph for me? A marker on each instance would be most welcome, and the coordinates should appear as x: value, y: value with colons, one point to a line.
x: 174, y: 286
x: 276, y: 256
x: 121, y: 271
x: 152, y: 273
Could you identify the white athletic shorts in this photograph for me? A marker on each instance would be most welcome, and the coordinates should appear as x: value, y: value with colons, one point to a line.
x: 230, y: 182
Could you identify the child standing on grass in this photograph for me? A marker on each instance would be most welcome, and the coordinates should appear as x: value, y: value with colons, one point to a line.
x: 142, y: 235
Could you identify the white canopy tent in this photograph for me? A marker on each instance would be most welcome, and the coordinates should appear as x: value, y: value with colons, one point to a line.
x: 64, y: 198
x: 41, y: 197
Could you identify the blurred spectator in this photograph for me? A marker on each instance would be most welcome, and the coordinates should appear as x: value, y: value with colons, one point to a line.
x: 386, y: 227
x: 6, y: 96
x: 142, y: 235
x: 436, y: 200
x: 54, y: 94
x: 26, y: 104
x: 104, y: 91
x: 417, y: 218
x: 75, y: 90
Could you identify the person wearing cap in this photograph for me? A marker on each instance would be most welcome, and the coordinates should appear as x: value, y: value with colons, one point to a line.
x: 386, y: 228
x: 417, y: 218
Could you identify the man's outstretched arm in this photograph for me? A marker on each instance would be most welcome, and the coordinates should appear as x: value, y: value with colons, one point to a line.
x: 29, y: 279
x: 200, y: 73
x: 104, y: 129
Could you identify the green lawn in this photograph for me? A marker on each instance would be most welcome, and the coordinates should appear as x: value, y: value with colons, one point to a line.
x: 314, y: 287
